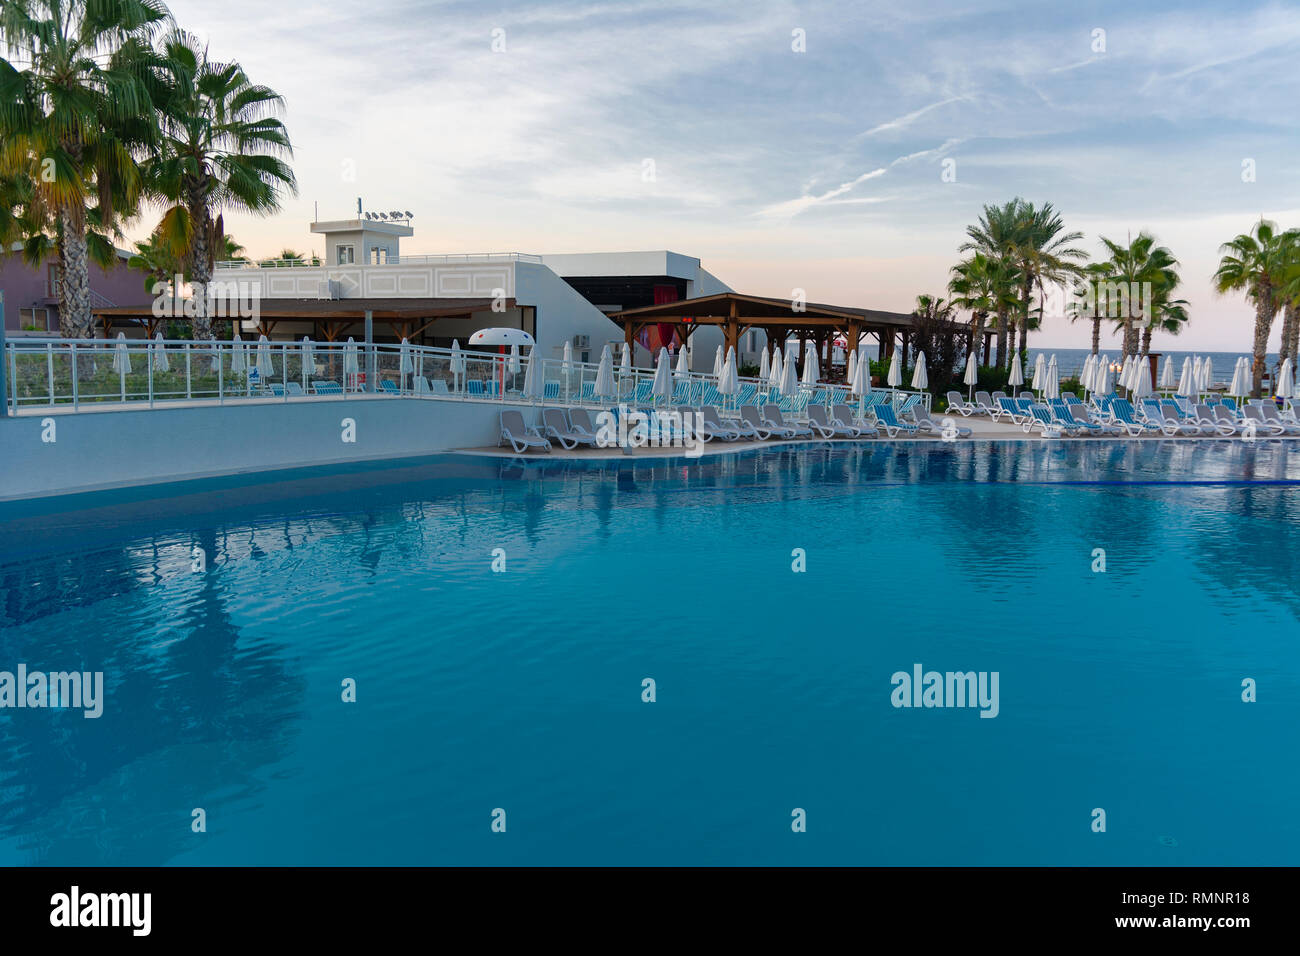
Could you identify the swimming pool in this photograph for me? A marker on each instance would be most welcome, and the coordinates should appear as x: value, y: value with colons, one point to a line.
x: 522, y: 689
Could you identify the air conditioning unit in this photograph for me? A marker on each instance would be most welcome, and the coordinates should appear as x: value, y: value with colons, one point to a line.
x: 581, y: 341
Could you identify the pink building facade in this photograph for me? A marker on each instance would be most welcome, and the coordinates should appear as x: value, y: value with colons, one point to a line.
x: 32, y: 295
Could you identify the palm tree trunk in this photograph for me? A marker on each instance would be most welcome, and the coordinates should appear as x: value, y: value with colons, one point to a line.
x: 1000, y: 358
x: 75, y: 320
x: 1024, y: 335
x: 1096, y: 335
x: 977, y: 335
x: 1146, y: 340
x: 200, y: 260
x: 1293, y: 348
x: 1284, y: 348
x: 1264, y: 313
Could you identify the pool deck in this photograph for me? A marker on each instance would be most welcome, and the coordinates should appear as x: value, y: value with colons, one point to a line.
x: 982, y: 429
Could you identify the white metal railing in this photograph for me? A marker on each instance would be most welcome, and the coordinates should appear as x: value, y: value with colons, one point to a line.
x: 317, y: 263
x: 71, y: 374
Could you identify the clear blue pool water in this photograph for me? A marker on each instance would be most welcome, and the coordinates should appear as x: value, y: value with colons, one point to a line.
x: 522, y: 690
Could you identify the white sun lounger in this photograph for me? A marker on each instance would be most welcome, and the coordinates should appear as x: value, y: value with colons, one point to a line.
x: 520, y: 436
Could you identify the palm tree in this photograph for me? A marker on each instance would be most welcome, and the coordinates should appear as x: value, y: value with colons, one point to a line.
x: 997, y: 235
x: 1044, y: 255
x: 1085, y: 306
x: 75, y: 109
x: 1289, y: 296
x: 158, y: 263
x: 222, y: 147
x: 982, y: 285
x: 1125, y: 275
x: 1256, y: 263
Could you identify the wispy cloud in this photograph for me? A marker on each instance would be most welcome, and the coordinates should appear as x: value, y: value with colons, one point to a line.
x: 907, y: 119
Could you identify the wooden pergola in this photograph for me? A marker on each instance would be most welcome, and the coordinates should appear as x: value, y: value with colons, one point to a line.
x: 781, y: 319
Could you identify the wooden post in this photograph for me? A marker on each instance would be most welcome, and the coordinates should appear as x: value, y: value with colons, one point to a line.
x: 733, y: 330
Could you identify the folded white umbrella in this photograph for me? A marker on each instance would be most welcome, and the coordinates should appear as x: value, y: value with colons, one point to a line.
x: 1187, y: 381
x: 1102, y: 383
x: 514, y: 364
x: 1052, y: 380
x: 566, y: 363
x: 1087, y: 372
x: 663, y: 381
x: 972, y: 374
x: 789, y: 379
x: 457, y: 359
x: 404, y: 365
x: 717, y: 363
x: 852, y: 367
x: 895, y: 377
x: 1207, y: 374
x: 1126, y: 372
x: 1142, y: 378
x: 265, y: 370
x: 920, y: 378
x: 535, y: 377
x: 1285, y: 380
x: 605, y: 386
x: 1017, y: 377
x: 775, y: 374
x: 683, y: 363
x: 121, y: 357
x: 625, y: 364
x: 308, y: 361
x: 160, y: 361
x: 1198, y: 373
x: 811, y: 373
x: 1040, y: 373
x: 351, y: 366
x: 1167, y: 375
x: 1240, y: 379
x: 764, y: 366
x: 729, y: 383
x: 861, y: 383
x: 237, y: 363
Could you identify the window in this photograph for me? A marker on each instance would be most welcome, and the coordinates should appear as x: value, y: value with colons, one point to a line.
x: 52, y: 287
x: 34, y: 319
x: 379, y: 256
x: 346, y: 255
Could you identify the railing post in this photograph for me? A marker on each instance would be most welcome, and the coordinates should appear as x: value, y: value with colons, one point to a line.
x: 370, y: 351
x: 284, y: 371
x: 73, y: 359
x: 221, y: 391
x: 49, y: 368
x: 4, y: 351
x: 148, y: 359
x: 188, y: 390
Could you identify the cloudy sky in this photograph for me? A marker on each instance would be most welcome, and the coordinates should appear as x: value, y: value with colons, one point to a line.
x: 699, y: 127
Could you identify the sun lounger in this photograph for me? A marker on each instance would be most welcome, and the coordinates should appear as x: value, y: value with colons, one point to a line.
x: 1122, y: 411
x: 843, y: 415
x: 754, y: 419
x: 1225, y: 418
x: 1008, y: 408
x: 520, y: 436
x: 959, y: 405
x: 1269, y: 411
x: 1062, y: 415
x: 714, y: 426
x: 295, y: 388
x: 1204, y: 417
x: 321, y: 387
x: 580, y: 424
x: 439, y: 387
x: 774, y: 419
x: 984, y: 403
x: 821, y: 423
x: 555, y: 425
x: 1174, y: 412
x: 1263, y: 426
x: 926, y: 423
x: 1040, y: 417
x: 887, y: 420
